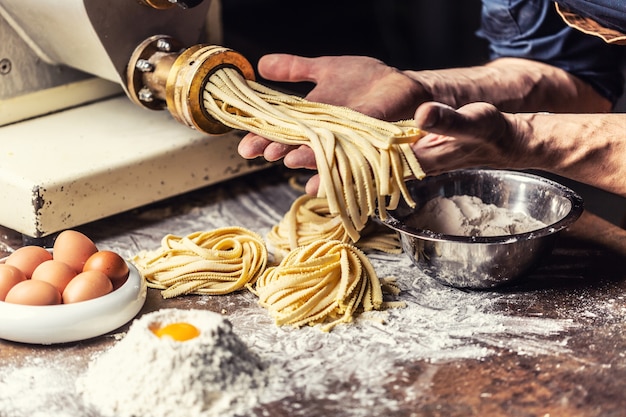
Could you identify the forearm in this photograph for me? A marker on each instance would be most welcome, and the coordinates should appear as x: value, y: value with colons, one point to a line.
x: 587, y: 148
x: 512, y: 85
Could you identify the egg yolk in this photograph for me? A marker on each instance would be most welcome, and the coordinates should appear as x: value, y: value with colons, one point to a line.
x: 180, y: 332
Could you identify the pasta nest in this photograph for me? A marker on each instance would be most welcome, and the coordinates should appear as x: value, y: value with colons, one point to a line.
x: 217, y: 262
x: 326, y: 281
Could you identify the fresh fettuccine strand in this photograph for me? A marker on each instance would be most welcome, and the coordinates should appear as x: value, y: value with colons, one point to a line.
x: 309, y: 219
x: 216, y: 262
x: 327, y: 282
x: 362, y: 161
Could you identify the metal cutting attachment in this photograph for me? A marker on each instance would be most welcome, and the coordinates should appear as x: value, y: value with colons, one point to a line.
x: 163, y: 74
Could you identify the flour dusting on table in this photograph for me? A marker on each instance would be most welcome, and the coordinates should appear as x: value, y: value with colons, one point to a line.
x: 439, y: 324
x: 40, y: 389
x: 350, y: 370
x: 353, y: 366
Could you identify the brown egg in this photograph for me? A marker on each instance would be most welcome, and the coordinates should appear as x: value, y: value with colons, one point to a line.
x: 54, y: 272
x: 27, y: 258
x: 9, y: 277
x: 112, y: 264
x: 34, y: 293
x: 87, y: 286
x: 73, y: 248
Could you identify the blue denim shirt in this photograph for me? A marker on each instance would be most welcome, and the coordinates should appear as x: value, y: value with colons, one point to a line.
x: 608, y: 13
x: 533, y: 29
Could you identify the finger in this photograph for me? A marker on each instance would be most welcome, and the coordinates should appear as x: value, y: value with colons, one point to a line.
x: 252, y: 146
x: 275, y: 151
x: 302, y: 157
x: 436, y: 153
x: 312, y: 185
x: 285, y: 67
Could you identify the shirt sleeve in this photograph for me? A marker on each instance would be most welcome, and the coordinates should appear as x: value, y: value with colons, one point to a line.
x: 532, y: 29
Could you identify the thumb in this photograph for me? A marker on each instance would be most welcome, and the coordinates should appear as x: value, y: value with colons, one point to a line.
x: 433, y: 116
x: 472, y: 120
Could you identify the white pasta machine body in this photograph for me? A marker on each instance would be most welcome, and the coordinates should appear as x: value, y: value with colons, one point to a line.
x: 74, y: 145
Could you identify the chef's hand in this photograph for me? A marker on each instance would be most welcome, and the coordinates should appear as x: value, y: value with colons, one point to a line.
x: 475, y: 135
x: 363, y: 84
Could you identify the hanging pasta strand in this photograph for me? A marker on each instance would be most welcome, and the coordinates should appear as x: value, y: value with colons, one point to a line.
x: 362, y: 161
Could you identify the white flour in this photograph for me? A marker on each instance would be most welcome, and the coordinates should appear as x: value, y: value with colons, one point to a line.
x: 350, y: 371
x: 464, y: 215
x: 39, y: 389
x: 144, y: 375
x: 350, y: 368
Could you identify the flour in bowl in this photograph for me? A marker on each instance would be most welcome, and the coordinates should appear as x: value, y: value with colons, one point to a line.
x: 464, y: 215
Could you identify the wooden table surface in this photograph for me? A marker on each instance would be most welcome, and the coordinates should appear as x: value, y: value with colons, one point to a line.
x: 552, y: 345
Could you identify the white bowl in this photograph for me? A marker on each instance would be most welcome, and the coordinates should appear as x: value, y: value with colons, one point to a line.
x: 72, y: 322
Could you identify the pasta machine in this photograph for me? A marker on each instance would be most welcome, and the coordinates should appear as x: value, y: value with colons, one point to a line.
x: 79, y: 80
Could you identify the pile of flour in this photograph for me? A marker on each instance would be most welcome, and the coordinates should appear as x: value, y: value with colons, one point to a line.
x: 464, y: 215
x: 144, y: 375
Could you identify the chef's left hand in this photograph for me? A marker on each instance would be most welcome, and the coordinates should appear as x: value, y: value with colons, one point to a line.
x: 475, y: 135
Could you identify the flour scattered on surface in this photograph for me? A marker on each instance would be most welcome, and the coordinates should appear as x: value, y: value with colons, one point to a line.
x: 144, y: 375
x: 40, y: 388
x: 351, y: 369
x: 355, y: 364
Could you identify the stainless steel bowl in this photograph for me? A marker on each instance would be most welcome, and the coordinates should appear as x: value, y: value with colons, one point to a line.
x: 486, y: 262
